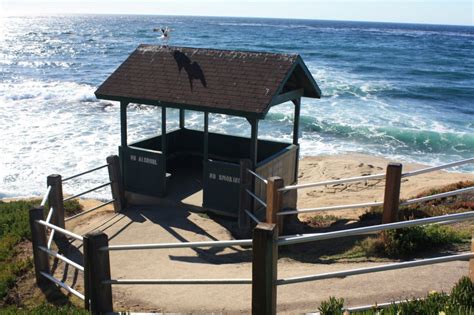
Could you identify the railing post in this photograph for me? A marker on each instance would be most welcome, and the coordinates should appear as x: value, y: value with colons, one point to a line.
x: 38, y: 238
x: 264, y: 269
x: 274, y: 201
x: 392, y: 193
x: 471, y: 261
x: 244, y: 199
x: 115, y: 176
x: 98, y: 296
x: 56, y: 199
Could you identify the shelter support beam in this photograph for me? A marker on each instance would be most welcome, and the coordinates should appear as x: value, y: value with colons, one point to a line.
x: 296, y: 133
x: 123, y: 123
x: 253, y: 142
x: 206, y: 143
x: 181, y: 118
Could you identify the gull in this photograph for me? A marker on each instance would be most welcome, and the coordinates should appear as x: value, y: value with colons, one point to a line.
x: 165, y: 34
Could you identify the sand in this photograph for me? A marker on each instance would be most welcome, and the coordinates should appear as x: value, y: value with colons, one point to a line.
x: 174, y: 224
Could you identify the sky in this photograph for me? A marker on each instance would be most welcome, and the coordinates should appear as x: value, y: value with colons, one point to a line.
x: 460, y: 12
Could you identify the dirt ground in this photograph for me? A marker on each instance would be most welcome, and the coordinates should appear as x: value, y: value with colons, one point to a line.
x: 143, y: 224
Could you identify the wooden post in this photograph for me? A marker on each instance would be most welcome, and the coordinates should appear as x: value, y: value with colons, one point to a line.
x: 274, y: 200
x: 38, y: 238
x: 181, y: 118
x: 56, y: 200
x: 115, y: 176
x: 471, y: 261
x: 392, y: 193
x: 244, y: 200
x: 98, y: 296
x: 164, y: 145
x: 264, y: 269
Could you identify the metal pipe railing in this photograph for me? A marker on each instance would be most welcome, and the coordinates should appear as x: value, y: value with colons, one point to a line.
x: 60, y: 230
x: 254, y: 218
x: 62, y: 285
x: 438, y: 196
x: 296, y: 239
x: 437, y: 168
x: 333, y: 182
x: 359, y: 271
x: 84, y: 173
x: 90, y: 210
x: 45, y: 197
x: 50, y: 214
x: 230, y: 243
x: 86, y: 192
x: 61, y: 257
x: 257, y: 176
x: 260, y: 201
x: 329, y: 208
x: 177, y: 281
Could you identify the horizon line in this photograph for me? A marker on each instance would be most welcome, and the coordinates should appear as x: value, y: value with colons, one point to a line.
x: 230, y: 16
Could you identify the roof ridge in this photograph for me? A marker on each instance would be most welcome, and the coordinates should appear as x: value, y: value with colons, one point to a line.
x: 163, y: 47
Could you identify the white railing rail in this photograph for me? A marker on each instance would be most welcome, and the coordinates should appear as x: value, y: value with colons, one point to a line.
x: 310, y: 237
x: 63, y: 285
x: 178, y: 281
x: 377, y: 176
x: 229, y: 243
x: 260, y: 201
x: 46, y: 195
x: 60, y: 230
x: 334, y: 182
x: 360, y: 271
x: 85, y: 172
x: 375, y: 204
x: 86, y: 192
x: 437, y: 168
x: 90, y: 210
x: 438, y: 196
x: 258, y: 176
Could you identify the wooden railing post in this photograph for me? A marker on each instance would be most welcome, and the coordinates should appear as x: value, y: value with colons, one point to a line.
x: 471, y: 261
x: 38, y: 238
x: 115, y: 176
x: 264, y: 269
x: 274, y: 201
x: 392, y: 193
x: 55, y: 200
x: 98, y: 296
x: 244, y: 198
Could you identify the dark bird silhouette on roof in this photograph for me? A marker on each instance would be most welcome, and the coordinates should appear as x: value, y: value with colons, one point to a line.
x: 193, y: 69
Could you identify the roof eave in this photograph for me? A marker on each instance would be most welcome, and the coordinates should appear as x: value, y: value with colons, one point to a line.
x: 198, y: 108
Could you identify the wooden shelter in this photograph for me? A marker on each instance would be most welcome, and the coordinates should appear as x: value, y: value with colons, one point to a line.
x: 237, y: 83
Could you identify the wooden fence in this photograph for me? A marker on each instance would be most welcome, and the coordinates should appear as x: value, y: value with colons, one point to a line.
x: 265, y: 241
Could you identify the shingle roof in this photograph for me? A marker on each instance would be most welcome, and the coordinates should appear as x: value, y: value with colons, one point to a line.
x: 223, y: 81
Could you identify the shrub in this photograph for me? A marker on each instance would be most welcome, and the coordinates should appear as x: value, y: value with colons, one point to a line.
x: 459, y: 302
x: 409, y: 241
x: 333, y: 306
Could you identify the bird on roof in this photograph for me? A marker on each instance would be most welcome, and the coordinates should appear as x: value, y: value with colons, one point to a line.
x: 165, y: 34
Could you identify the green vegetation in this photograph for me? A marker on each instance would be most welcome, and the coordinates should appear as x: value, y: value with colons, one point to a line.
x: 460, y: 301
x: 14, y: 229
x: 409, y: 242
x: 331, y: 306
x: 322, y: 220
x: 449, y: 205
x: 45, y: 309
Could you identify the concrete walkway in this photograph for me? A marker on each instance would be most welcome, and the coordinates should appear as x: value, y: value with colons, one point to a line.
x: 174, y: 224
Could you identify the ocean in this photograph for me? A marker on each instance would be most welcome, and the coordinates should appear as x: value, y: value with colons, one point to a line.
x: 402, y: 91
